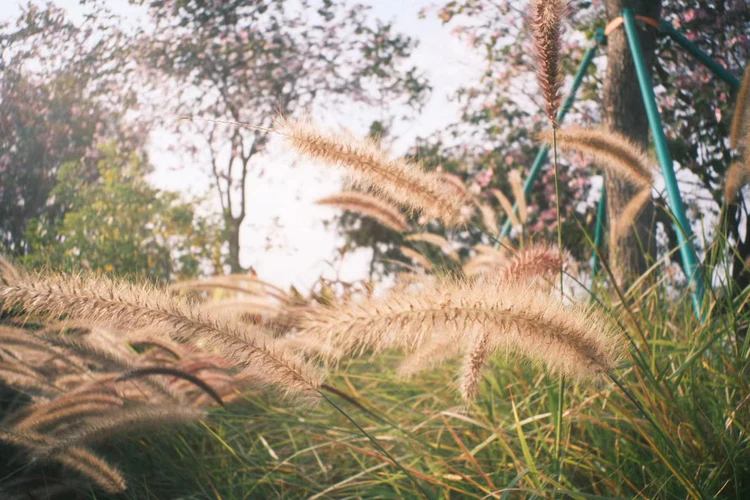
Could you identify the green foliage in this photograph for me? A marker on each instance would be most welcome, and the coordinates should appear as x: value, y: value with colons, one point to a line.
x: 56, y: 103
x: 687, y: 375
x: 118, y: 223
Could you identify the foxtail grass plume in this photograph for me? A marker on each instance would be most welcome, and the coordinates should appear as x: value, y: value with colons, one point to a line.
x: 514, y: 178
x: 367, y: 166
x: 629, y: 214
x: 437, y: 240
x: 122, y: 421
x: 7, y: 269
x: 739, y: 121
x: 546, y: 26
x: 575, y: 340
x: 117, y: 304
x: 489, y: 218
x: 532, y: 262
x: 455, y: 183
x: 615, y: 152
x: 93, y: 467
x: 507, y: 207
x: 738, y: 176
x: 233, y: 283
x: 417, y: 258
x: 437, y: 351
x: 369, y: 206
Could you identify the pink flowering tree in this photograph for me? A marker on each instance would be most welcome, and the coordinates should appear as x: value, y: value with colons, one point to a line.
x: 503, y: 110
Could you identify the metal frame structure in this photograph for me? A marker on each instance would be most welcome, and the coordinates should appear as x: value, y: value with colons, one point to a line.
x: 682, y: 225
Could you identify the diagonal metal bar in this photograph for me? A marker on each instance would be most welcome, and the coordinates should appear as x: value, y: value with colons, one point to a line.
x: 717, y: 69
x: 601, y: 214
x: 682, y: 225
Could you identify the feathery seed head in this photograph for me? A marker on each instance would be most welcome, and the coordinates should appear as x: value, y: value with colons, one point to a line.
x: 102, y: 301
x: 400, y: 181
x: 737, y: 177
x: 574, y: 340
x: 546, y: 26
x: 615, y: 152
x: 741, y: 110
x: 370, y: 206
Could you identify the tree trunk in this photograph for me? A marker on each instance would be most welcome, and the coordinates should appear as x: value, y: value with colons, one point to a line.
x: 624, y: 112
x: 232, y: 226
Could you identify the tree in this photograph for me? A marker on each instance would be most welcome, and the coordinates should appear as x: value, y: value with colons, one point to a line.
x: 63, y: 89
x: 499, y: 119
x: 118, y: 223
x: 624, y: 112
x: 250, y: 60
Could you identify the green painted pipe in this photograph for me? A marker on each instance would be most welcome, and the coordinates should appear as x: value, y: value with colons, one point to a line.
x: 541, y: 157
x: 684, y: 233
x: 601, y: 214
x: 719, y: 70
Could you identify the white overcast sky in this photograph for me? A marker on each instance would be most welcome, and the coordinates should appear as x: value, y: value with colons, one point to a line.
x: 283, y: 236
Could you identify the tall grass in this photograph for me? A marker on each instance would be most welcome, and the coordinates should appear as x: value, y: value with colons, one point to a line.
x: 628, y: 394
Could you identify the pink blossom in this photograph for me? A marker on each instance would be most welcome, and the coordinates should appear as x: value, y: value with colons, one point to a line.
x: 484, y: 177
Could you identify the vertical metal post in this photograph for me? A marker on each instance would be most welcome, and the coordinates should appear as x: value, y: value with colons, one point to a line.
x: 690, y: 47
x: 541, y: 157
x: 601, y: 214
x: 684, y: 233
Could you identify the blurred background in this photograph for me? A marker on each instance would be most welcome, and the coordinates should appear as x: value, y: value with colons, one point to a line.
x: 118, y: 152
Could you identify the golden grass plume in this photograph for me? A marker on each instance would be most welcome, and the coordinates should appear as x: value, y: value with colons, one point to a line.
x: 370, y: 206
x: 416, y: 258
x: 514, y: 178
x: 739, y: 121
x: 575, y: 340
x: 507, y: 207
x: 613, y: 151
x: 437, y: 240
x: 403, y: 182
x: 117, y: 304
x: 737, y: 177
x: 629, y: 214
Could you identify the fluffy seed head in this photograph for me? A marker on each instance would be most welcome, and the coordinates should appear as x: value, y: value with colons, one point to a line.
x: 417, y: 258
x: 615, y: 152
x: 737, y: 177
x: 575, y: 340
x: 546, y: 25
x: 400, y: 181
x: 436, y: 240
x: 118, y: 304
x: 517, y: 186
x: 531, y: 263
x: 629, y: 214
x: 507, y: 207
x: 370, y: 206
x: 739, y: 122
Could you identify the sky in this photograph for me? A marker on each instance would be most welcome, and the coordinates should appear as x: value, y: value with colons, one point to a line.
x: 284, y: 237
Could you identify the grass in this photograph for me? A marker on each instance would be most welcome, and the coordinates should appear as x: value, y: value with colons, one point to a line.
x: 691, y: 380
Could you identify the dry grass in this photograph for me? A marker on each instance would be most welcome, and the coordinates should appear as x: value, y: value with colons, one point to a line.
x: 369, y: 206
x: 739, y: 121
x: 367, y: 166
x: 574, y: 340
x: 437, y: 240
x: 614, y: 152
x: 546, y: 26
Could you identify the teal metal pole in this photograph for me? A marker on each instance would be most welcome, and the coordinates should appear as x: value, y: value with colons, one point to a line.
x: 719, y: 70
x: 684, y: 233
x: 601, y: 213
x: 541, y: 157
